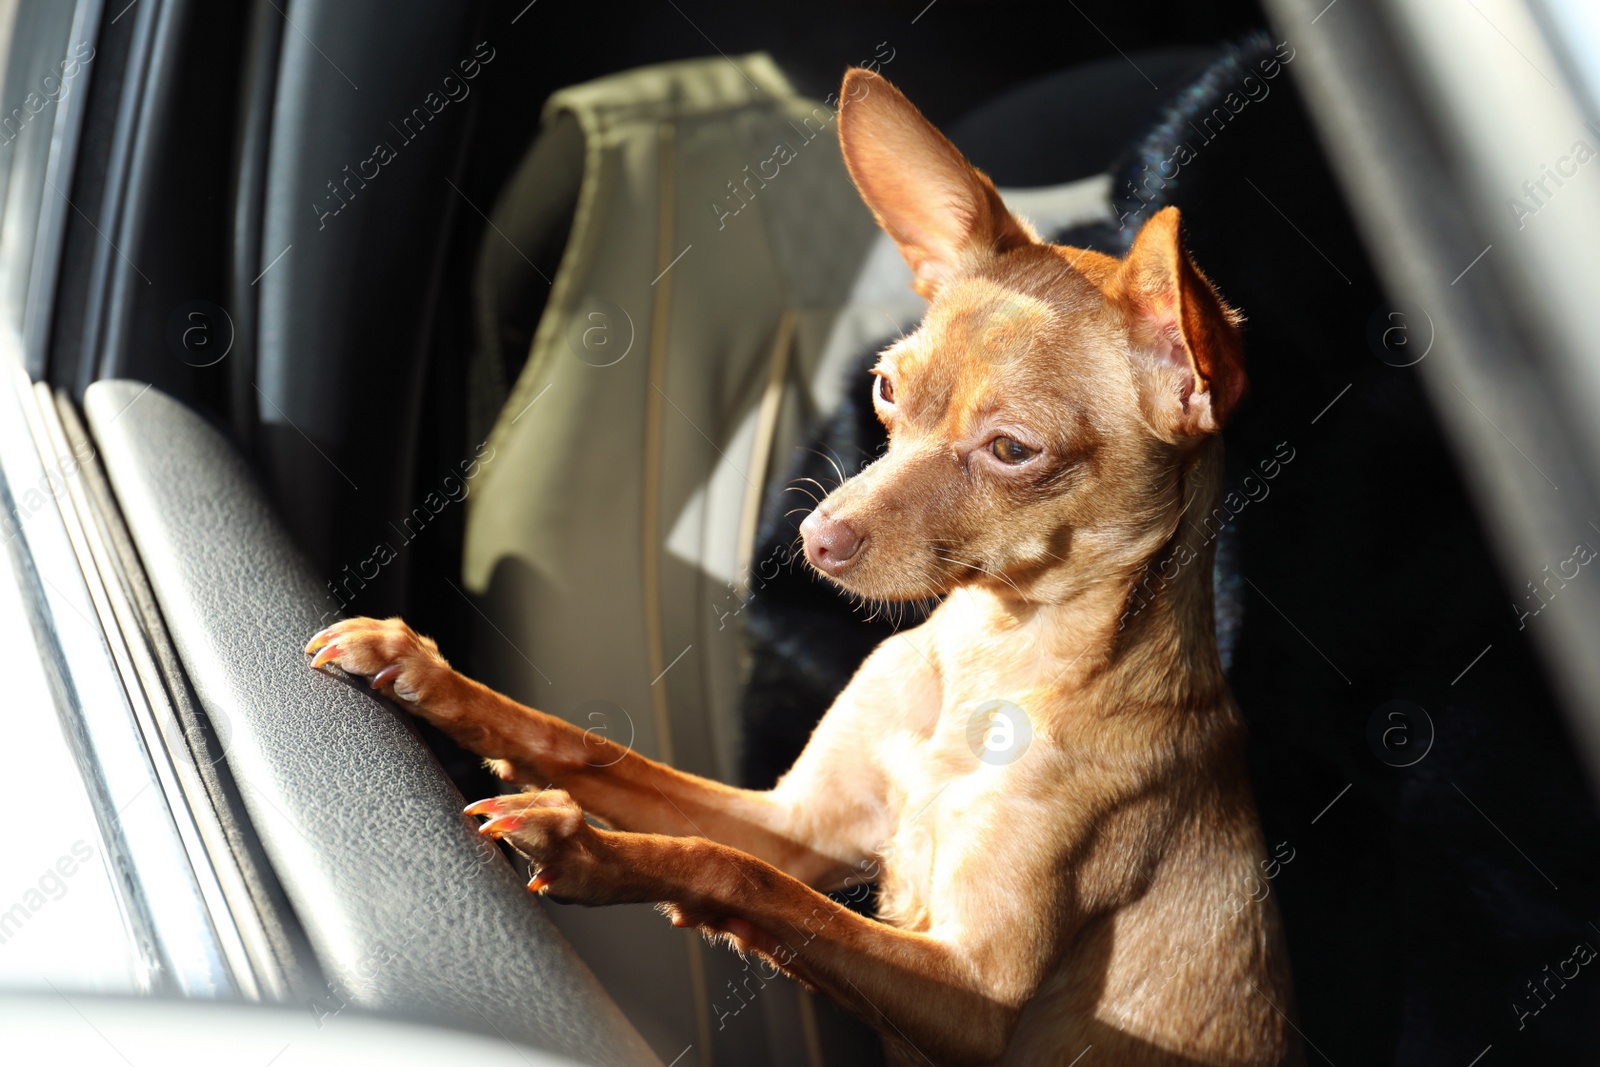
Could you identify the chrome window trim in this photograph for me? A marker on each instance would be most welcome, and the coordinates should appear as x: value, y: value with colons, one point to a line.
x: 239, y: 926
x: 265, y: 949
x: 152, y: 869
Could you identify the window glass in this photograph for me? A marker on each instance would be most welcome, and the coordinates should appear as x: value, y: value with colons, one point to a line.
x: 1573, y: 27
x: 42, y: 68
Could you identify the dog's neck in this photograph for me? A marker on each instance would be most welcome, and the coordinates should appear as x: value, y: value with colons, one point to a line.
x: 1146, y: 624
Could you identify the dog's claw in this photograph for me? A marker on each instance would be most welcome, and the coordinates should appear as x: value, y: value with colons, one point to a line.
x: 502, y: 824
x: 398, y: 661
x: 547, y: 827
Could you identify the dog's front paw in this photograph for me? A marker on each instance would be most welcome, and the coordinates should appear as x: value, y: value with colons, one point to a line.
x: 549, y: 829
x: 393, y: 656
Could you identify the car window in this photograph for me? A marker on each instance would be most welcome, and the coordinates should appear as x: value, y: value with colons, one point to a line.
x: 44, y: 70
x: 61, y: 917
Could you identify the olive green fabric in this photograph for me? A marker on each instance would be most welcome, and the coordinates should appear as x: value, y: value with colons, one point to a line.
x: 645, y: 381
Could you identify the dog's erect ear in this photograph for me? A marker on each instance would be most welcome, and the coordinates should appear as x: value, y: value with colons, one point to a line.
x: 941, y: 210
x: 1186, y: 340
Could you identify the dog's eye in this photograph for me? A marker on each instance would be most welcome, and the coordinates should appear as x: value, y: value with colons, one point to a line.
x: 885, y: 389
x: 1007, y: 450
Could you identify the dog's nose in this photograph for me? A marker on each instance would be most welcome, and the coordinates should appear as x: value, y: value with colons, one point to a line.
x: 830, y: 544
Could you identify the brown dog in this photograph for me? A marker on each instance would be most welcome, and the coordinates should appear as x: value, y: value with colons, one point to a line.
x: 1046, y: 778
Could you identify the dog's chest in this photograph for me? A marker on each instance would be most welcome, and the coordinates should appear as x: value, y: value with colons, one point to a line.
x: 958, y: 771
x: 949, y: 801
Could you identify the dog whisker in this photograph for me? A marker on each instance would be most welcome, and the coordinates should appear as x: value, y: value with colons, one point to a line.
x: 837, y: 469
x: 803, y: 491
x: 819, y: 485
x: 984, y: 568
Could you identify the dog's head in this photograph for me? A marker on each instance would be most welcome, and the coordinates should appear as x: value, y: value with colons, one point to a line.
x: 1040, y: 416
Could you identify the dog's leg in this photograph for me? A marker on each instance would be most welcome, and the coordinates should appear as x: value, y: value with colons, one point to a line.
x: 822, y: 821
x: 920, y: 990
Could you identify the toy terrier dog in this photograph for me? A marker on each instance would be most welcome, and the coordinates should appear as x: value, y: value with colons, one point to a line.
x: 1045, y: 780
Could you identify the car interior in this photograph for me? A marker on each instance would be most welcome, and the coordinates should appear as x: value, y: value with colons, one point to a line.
x: 539, y: 324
